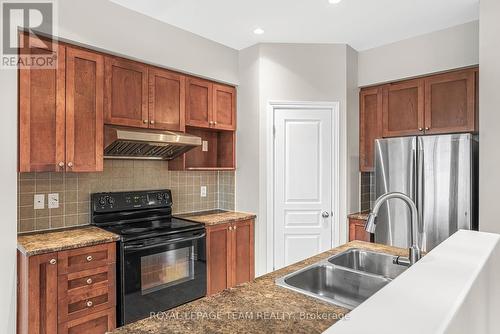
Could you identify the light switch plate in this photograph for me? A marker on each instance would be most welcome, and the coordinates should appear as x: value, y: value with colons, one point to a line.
x: 39, y: 201
x: 53, y: 201
x: 203, y: 191
x: 204, y: 146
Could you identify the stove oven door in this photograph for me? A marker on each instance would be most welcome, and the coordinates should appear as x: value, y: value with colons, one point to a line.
x: 161, y: 273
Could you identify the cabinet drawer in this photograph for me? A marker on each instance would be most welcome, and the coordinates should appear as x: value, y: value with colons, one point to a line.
x: 95, y: 323
x: 74, y: 260
x: 78, y: 302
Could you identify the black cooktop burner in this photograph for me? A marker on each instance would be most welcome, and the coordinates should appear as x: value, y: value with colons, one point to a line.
x: 147, y: 229
x: 138, y: 214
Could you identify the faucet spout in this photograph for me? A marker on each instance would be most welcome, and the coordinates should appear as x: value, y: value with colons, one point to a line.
x: 414, y: 252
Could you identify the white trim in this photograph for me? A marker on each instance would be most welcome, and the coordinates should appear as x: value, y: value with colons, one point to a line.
x: 272, y: 106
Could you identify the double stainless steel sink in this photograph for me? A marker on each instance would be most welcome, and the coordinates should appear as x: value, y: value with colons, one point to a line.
x: 346, y: 279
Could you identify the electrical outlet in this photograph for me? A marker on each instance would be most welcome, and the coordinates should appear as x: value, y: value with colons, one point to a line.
x: 203, y: 191
x: 53, y: 201
x: 39, y: 201
x: 204, y: 146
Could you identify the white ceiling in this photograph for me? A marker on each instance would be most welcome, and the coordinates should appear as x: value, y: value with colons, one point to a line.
x: 363, y: 24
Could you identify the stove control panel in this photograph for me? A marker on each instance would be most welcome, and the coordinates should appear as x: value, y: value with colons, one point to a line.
x: 121, y: 201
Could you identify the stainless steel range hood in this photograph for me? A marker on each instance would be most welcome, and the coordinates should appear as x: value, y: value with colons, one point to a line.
x: 132, y: 143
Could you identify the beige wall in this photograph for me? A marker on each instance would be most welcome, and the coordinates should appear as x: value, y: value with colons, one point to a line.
x: 489, y: 115
x: 291, y: 72
x: 434, y: 52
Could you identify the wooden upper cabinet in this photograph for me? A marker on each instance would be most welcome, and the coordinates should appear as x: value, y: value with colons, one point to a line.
x: 403, y: 108
x: 41, y: 113
x: 450, y: 102
x: 166, y: 100
x: 126, y: 93
x: 84, y: 110
x: 242, y: 252
x: 199, y: 102
x: 224, y: 112
x: 370, y: 120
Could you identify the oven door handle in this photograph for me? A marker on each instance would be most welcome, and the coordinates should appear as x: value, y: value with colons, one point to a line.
x: 168, y: 242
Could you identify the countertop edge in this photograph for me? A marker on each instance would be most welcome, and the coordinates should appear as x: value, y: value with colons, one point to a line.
x: 50, y: 249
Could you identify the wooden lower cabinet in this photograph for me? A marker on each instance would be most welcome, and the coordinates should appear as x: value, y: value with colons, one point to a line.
x: 53, y: 299
x: 357, y: 231
x: 230, y: 255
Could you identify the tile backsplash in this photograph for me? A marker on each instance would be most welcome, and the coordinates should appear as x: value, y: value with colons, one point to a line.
x: 367, y: 190
x: 74, y: 191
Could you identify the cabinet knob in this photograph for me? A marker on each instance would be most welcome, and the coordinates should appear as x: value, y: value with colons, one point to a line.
x: 151, y: 122
x: 211, y: 122
x: 420, y: 129
x: 145, y: 121
x: 234, y: 228
x: 89, y: 258
x: 53, y: 261
x: 70, y: 164
x: 230, y: 228
x: 61, y: 164
x: 89, y: 280
x: 427, y: 128
x: 89, y: 303
x: 215, y: 123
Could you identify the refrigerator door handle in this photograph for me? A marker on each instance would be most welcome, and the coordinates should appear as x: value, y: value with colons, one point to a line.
x: 420, y: 188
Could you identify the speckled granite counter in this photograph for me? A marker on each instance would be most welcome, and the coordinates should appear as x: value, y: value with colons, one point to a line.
x: 255, y: 307
x: 363, y: 215
x: 53, y: 241
x: 215, y: 217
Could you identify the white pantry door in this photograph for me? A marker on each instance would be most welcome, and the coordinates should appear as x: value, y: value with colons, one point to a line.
x: 302, y: 184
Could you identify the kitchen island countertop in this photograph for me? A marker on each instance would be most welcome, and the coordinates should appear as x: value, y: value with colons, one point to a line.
x: 259, y: 306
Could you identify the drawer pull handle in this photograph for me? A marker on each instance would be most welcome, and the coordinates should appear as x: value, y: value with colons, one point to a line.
x: 89, y: 280
x: 89, y: 303
x: 53, y: 261
x: 89, y: 258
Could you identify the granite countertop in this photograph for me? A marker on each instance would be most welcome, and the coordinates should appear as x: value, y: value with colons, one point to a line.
x: 363, y: 215
x: 52, y: 241
x: 215, y: 217
x: 259, y: 306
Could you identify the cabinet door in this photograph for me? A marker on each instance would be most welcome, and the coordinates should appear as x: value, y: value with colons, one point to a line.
x: 450, y: 104
x: 403, y: 108
x: 37, y: 289
x: 166, y: 100
x: 126, y: 93
x: 95, y: 323
x: 224, y: 112
x: 370, y: 126
x: 199, y: 99
x: 84, y: 110
x: 41, y: 113
x: 242, y: 253
x: 357, y: 231
x: 218, y: 258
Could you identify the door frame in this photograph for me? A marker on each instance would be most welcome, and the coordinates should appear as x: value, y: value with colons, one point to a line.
x: 272, y: 107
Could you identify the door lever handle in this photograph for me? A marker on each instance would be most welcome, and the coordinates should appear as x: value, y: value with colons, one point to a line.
x: 325, y: 214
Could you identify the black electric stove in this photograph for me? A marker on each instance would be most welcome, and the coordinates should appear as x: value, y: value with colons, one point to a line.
x: 161, y: 260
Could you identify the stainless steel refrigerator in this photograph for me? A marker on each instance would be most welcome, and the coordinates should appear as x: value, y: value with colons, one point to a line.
x: 440, y: 174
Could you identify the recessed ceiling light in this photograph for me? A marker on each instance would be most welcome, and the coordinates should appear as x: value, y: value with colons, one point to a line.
x: 258, y: 31
x: 334, y: 2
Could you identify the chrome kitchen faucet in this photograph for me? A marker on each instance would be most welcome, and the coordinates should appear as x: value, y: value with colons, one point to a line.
x: 414, y: 251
